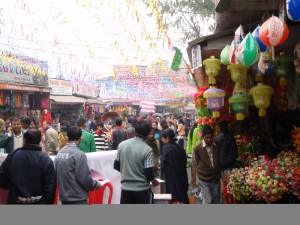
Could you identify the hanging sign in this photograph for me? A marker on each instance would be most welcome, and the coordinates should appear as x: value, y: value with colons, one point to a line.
x: 16, y: 68
x: 60, y: 87
x: 196, y: 56
x: 86, y: 90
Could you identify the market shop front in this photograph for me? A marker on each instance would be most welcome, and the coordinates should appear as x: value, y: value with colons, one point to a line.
x: 24, y: 89
x: 65, y: 108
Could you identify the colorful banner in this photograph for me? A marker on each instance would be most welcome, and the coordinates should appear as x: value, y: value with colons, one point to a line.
x: 61, y: 87
x: 16, y: 68
x: 84, y: 89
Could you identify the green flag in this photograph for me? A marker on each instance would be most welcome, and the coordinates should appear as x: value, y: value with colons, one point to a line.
x: 176, y: 59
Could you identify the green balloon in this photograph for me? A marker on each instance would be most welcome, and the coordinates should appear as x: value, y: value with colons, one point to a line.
x: 249, y: 53
x: 225, y: 55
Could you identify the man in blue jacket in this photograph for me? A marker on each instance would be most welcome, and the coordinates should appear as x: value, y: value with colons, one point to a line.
x: 29, y: 173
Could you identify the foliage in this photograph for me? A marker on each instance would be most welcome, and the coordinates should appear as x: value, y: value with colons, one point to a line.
x: 190, y: 18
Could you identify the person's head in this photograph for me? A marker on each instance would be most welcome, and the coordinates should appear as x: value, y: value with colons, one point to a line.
x: 8, y: 122
x: 100, y: 126
x: 32, y: 137
x: 167, y: 136
x: 97, y: 117
x: 151, y: 134
x: 208, y: 135
x: 134, y: 121
x: 16, y: 125
x: 81, y: 122
x: 74, y: 134
x: 142, y: 129
x: 180, y: 121
x: 155, y: 125
x: 119, y: 121
x: 164, y: 124
x: 46, y: 124
x: 157, y: 119
x: 33, y: 123
x: 8, y: 129
x: 25, y: 122
x: 63, y: 129
x: 223, y: 125
x: 129, y: 120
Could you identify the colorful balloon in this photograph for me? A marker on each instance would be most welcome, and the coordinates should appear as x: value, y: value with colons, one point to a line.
x: 255, y: 34
x: 247, y: 53
x: 293, y: 9
x: 225, y: 55
x: 273, y: 32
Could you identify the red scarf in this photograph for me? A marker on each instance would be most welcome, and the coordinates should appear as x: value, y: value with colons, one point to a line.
x: 99, y: 132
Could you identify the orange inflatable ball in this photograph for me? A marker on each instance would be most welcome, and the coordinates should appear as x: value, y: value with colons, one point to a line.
x: 273, y: 32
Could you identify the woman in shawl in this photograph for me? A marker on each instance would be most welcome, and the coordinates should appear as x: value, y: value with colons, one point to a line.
x: 173, y: 167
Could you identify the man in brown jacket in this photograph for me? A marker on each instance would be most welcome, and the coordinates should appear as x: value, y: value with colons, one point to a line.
x: 206, y: 167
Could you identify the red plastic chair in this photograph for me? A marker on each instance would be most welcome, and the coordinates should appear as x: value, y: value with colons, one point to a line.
x: 96, y: 196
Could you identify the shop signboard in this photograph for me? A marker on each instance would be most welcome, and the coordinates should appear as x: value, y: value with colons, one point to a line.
x: 86, y: 90
x: 16, y: 68
x: 60, y: 87
x: 24, y: 88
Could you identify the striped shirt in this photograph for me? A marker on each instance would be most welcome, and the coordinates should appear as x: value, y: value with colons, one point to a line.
x: 101, y: 142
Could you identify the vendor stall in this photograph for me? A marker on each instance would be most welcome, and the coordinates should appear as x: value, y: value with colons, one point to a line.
x: 24, y: 90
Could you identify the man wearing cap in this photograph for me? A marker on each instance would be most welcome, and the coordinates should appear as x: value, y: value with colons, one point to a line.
x: 206, y: 167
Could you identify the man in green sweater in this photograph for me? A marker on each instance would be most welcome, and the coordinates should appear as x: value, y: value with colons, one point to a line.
x: 88, y: 142
x: 135, y: 163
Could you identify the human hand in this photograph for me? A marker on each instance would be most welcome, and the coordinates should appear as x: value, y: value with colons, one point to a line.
x: 99, y: 185
x: 155, y: 182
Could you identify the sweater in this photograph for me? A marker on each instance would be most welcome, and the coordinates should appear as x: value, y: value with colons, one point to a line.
x: 201, y: 162
x: 132, y: 155
x: 87, y: 143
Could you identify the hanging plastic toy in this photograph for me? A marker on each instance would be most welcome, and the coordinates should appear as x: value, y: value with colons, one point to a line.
x: 273, y: 32
x: 293, y: 10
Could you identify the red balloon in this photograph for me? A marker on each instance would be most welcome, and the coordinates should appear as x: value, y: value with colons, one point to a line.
x: 273, y: 32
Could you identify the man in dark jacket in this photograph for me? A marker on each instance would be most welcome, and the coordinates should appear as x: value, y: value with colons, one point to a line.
x: 228, y: 147
x: 29, y: 173
x: 118, y: 135
x: 228, y: 152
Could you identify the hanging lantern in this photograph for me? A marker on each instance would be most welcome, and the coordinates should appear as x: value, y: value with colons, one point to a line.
x: 293, y: 9
x: 238, y: 74
x: 255, y: 34
x: 212, y: 69
x: 273, y: 32
x: 247, y: 52
x: 284, y: 68
x: 239, y: 104
x: 215, y: 100
x: 262, y: 97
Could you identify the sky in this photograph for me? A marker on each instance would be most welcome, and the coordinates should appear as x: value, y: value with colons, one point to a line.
x: 83, y: 39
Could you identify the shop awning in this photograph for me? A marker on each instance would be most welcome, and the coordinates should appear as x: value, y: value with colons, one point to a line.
x: 67, y: 99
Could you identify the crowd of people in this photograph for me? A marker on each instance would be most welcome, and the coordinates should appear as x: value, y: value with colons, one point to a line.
x: 147, y: 148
